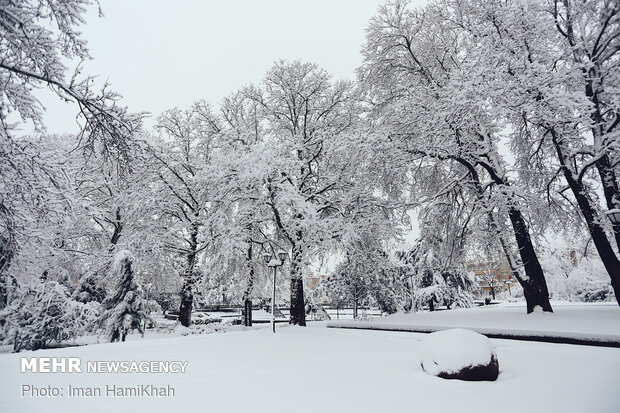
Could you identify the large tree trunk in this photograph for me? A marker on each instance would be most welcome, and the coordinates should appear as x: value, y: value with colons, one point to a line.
x: 586, y: 205
x: 600, y: 136
x: 531, y: 291
x: 187, y: 301
x: 247, y: 313
x: 189, y: 279
x: 298, y: 309
x: 611, y: 191
x: 534, y: 287
x: 247, y: 302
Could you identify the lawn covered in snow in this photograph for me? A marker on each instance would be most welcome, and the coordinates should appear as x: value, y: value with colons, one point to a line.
x: 316, y: 369
x: 600, y: 321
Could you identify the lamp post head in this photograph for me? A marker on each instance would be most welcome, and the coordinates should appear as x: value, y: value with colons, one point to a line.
x: 274, y: 262
x: 267, y: 257
x: 282, y: 255
x: 614, y: 216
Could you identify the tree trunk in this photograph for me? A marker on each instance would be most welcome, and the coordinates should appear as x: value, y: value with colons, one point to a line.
x: 189, y: 279
x: 185, y: 312
x: 118, y: 229
x: 534, y: 287
x: 611, y: 191
x: 603, y: 164
x: 492, y: 292
x: 354, y: 308
x: 247, y: 313
x: 247, y: 302
x: 298, y: 310
x: 431, y: 305
x: 602, y: 244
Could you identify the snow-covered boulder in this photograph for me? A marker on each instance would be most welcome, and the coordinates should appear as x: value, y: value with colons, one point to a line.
x: 459, y: 354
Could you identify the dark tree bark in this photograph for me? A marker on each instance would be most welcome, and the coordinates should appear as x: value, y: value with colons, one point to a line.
x: 355, y: 308
x: 610, y: 189
x: 118, y: 228
x: 534, y: 287
x: 586, y: 205
x: 185, y: 312
x: 247, y: 313
x: 298, y: 307
x: 601, y: 133
x: 247, y: 303
x: 189, y: 279
x: 298, y: 311
x: 431, y: 304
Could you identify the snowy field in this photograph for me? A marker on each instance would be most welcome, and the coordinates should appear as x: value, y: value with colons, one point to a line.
x: 600, y: 321
x: 316, y: 369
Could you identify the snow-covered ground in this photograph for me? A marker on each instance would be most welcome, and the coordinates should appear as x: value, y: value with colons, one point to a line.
x: 600, y: 322
x: 326, y: 370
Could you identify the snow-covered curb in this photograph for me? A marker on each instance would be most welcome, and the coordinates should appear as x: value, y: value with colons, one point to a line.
x: 605, y: 340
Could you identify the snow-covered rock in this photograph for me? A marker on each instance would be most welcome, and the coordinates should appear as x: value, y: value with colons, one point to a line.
x: 459, y: 354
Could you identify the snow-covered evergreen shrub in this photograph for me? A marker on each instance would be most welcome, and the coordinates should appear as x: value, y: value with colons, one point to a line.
x: 45, y: 314
x: 462, y: 299
x: 126, y: 309
x: 432, y: 278
x: 89, y: 289
x: 458, y: 292
x: 432, y: 287
x: 8, y: 289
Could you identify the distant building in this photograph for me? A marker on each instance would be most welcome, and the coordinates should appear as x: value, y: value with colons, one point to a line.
x: 492, y: 275
x: 313, y: 281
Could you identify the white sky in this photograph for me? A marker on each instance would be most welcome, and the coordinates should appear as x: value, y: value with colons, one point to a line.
x: 161, y: 54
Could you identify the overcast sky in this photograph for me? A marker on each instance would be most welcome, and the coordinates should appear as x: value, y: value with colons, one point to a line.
x: 161, y: 54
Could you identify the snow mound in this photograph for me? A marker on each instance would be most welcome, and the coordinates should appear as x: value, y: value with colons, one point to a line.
x: 459, y: 354
x: 181, y: 330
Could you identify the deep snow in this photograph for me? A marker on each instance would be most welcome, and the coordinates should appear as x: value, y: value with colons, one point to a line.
x: 318, y: 369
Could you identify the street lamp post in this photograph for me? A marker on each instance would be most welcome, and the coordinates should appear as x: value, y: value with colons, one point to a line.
x: 273, y: 262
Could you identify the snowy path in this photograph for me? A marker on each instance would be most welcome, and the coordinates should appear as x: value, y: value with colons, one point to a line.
x: 316, y: 369
x: 594, y: 324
